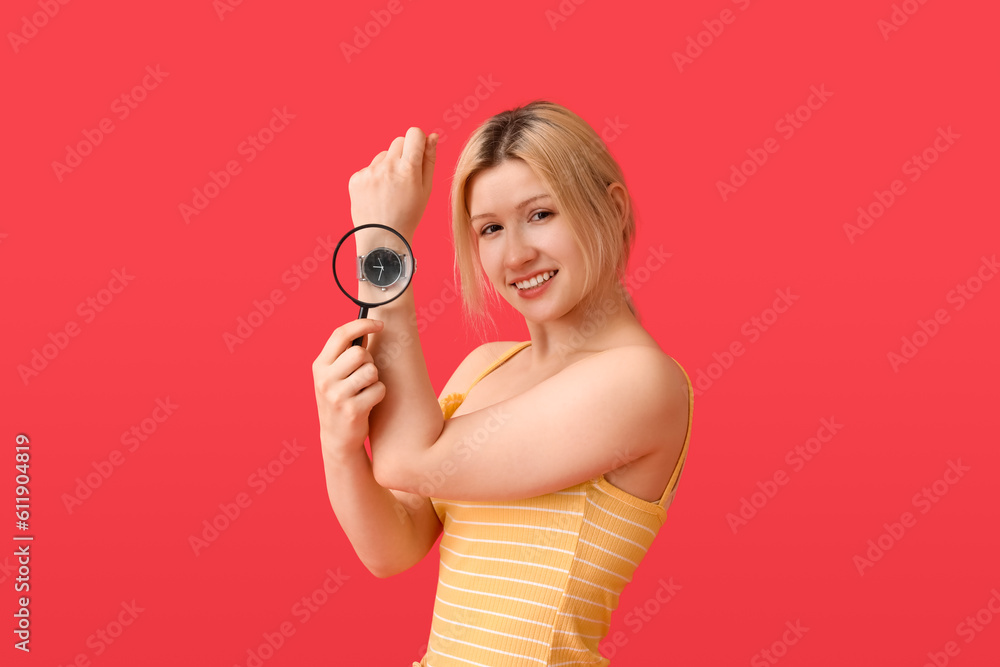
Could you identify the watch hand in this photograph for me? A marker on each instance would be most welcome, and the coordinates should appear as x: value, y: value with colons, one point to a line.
x: 380, y: 267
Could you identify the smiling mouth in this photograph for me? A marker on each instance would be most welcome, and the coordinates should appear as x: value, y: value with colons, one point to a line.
x: 534, y: 281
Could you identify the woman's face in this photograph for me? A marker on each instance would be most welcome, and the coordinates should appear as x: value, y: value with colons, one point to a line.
x: 521, y: 235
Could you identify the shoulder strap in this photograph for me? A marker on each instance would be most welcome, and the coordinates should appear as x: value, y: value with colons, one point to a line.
x: 668, y: 493
x: 504, y: 357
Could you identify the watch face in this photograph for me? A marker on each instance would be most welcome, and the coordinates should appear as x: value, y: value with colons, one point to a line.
x: 382, y: 267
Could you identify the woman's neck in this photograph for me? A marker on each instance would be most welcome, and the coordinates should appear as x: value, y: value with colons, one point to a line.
x: 608, y: 322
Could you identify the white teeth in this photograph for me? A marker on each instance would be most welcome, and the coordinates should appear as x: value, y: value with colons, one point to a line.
x: 535, y: 280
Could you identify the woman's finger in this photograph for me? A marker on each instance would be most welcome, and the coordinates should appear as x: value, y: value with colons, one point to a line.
x: 413, y: 146
x: 342, y: 336
x: 356, y: 380
x: 396, y: 148
x: 371, y: 395
x: 378, y: 158
x: 351, y: 359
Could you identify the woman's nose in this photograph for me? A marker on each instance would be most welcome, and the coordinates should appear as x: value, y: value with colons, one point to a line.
x: 519, y: 250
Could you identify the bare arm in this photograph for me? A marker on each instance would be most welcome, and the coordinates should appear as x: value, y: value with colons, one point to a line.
x: 389, y: 530
x: 410, y: 411
x: 598, y: 413
x: 392, y: 530
x: 393, y: 191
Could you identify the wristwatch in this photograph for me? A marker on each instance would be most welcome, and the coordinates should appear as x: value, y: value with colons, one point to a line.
x: 383, y: 267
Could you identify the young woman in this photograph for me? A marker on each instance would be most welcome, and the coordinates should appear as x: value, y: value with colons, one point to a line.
x: 551, y: 479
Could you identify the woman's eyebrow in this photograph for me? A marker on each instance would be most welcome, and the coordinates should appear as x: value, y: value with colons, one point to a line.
x: 517, y: 208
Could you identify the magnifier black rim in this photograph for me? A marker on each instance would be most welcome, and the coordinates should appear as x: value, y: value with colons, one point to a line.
x: 336, y: 250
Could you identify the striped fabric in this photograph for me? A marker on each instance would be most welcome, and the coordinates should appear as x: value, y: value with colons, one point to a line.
x: 534, y: 581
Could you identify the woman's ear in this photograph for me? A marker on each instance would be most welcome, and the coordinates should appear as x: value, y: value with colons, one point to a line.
x: 620, y: 196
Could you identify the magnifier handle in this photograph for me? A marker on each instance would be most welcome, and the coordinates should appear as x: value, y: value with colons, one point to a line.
x: 361, y: 315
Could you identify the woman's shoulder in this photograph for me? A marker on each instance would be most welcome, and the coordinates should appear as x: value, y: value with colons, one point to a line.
x: 653, y: 352
x: 636, y: 346
x: 654, y: 375
x: 647, y: 356
x: 656, y: 385
x: 474, y: 363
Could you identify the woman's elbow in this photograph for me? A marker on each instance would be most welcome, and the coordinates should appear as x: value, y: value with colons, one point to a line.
x: 384, y: 572
x: 386, y: 474
x: 379, y: 471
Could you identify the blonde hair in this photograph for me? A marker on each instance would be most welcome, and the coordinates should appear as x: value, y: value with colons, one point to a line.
x: 567, y: 154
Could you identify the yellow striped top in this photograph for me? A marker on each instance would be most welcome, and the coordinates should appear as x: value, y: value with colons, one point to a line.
x: 534, y: 581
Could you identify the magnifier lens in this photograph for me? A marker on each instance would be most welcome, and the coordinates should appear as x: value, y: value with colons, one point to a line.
x: 373, y: 265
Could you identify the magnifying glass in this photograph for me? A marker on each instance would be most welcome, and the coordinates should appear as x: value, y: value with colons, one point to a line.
x: 379, y: 260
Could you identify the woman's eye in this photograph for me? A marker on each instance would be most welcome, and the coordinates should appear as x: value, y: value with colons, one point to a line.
x: 485, y: 230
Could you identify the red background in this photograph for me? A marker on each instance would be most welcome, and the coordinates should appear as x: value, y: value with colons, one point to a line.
x: 680, y: 129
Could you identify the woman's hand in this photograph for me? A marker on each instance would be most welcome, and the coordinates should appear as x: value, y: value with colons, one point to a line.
x: 347, y: 387
x: 393, y: 190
